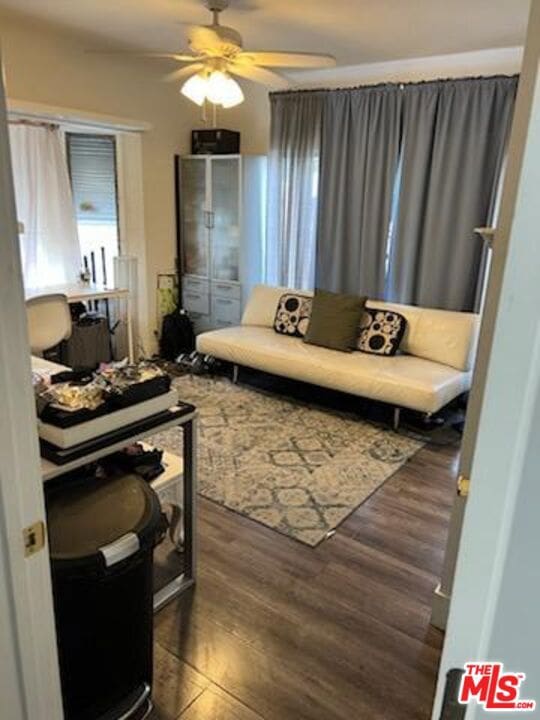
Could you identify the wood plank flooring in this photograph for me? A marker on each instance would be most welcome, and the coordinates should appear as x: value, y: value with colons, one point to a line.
x: 280, y: 631
x: 276, y: 630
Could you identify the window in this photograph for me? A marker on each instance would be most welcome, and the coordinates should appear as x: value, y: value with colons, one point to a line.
x: 92, y: 169
x: 47, y: 228
x: 291, y: 237
x: 389, y: 265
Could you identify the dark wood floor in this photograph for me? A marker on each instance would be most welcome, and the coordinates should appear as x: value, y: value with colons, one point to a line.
x: 281, y: 631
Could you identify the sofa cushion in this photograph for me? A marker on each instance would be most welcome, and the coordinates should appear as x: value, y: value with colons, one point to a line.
x: 443, y: 336
x: 334, y: 321
x: 381, y: 331
x: 262, y: 304
x: 293, y: 314
x: 440, y: 335
x: 401, y: 380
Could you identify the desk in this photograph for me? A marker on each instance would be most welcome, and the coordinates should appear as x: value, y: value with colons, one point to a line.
x: 83, y: 292
x: 163, y: 421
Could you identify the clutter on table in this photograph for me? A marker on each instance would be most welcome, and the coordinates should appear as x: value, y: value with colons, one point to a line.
x: 68, y: 398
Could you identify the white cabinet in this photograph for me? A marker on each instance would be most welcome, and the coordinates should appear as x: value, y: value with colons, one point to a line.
x: 221, y: 201
x: 225, y: 311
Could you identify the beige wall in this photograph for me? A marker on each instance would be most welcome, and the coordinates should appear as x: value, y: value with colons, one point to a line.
x: 47, y: 65
x: 251, y: 118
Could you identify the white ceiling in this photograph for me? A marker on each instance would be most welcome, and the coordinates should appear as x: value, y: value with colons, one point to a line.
x: 355, y: 31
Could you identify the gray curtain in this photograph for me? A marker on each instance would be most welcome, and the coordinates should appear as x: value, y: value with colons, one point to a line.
x: 359, y: 158
x: 293, y: 176
x: 453, y: 143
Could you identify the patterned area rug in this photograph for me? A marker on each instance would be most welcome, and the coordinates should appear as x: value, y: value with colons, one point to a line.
x: 297, y: 468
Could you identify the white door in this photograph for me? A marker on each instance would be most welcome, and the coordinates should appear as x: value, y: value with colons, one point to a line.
x: 494, y: 611
x: 29, y: 678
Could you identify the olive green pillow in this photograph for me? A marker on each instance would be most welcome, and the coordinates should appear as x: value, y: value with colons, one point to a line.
x: 335, y: 319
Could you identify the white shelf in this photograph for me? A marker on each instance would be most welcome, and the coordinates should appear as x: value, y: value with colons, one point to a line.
x: 50, y: 470
x: 66, y: 438
x: 168, y: 485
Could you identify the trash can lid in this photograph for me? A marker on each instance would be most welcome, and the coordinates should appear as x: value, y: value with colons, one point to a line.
x: 86, y: 515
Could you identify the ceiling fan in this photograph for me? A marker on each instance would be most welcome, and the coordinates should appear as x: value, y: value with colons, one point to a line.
x: 216, y: 53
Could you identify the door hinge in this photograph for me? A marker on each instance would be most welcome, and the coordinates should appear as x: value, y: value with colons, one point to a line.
x: 34, y: 538
x: 463, y: 485
x: 452, y: 709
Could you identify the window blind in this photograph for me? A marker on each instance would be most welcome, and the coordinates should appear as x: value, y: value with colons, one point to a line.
x: 92, y: 166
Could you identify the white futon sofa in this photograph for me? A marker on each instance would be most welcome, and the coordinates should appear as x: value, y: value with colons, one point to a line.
x: 434, y: 366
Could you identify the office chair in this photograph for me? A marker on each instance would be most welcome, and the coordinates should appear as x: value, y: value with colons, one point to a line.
x: 49, y: 321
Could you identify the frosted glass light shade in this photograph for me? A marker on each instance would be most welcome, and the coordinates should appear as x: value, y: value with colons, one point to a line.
x: 233, y: 95
x: 219, y: 88
x: 195, y: 89
x: 216, y: 83
x: 223, y: 90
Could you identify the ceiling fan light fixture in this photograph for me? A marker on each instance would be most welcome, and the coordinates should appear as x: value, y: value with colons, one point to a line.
x: 216, y: 52
x: 216, y: 83
x: 223, y: 90
x: 232, y: 93
x: 196, y: 88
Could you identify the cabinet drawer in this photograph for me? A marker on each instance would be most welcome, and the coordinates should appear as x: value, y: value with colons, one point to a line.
x: 225, y: 311
x: 226, y: 290
x: 196, y: 302
x: 194, y: 284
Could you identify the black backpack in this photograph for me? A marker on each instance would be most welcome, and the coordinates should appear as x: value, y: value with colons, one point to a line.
x: 177, y: 335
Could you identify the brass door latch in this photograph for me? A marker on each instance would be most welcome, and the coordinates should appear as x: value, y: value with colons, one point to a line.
x: 463, y: 484
x: 34, y: 538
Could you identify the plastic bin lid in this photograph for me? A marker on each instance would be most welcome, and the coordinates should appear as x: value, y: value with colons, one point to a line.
x: 86, y: 515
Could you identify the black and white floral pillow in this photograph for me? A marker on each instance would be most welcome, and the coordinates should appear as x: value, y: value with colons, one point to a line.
x: 292, y: 315
x: 381, y: 331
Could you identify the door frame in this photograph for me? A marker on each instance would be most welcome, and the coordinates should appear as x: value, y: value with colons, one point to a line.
x: 29, y: 678
x: 493, y: 613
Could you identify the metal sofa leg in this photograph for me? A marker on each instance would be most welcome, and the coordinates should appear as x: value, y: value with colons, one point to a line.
x: 397, y: 416
x: 236, y: 371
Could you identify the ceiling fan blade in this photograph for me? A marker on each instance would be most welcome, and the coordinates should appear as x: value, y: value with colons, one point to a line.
x: 180, y: 57
x: 182, y: 72
x: 286, y: 59
x: 203, y: 39
x: 259, y: 75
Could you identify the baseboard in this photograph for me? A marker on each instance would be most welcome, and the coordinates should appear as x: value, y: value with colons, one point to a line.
x: 439, y: 608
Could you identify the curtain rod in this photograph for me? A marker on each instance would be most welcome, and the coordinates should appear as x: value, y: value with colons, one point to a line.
x: 34, y: 123
x: 393, y: 84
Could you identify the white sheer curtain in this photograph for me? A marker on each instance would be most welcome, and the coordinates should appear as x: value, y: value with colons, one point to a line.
x: 49, y: 243
x: 293, y: 182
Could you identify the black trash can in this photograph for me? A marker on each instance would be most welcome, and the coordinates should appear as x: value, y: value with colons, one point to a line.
x: 101, y: 535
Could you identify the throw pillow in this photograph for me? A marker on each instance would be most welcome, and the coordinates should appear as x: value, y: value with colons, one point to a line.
x: 381, y: 331
x: 292, y: 315
x: 334, y: 320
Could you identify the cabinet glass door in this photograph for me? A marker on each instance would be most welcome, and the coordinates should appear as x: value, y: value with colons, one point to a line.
x: 225, y: 231
x: 194, y: 229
